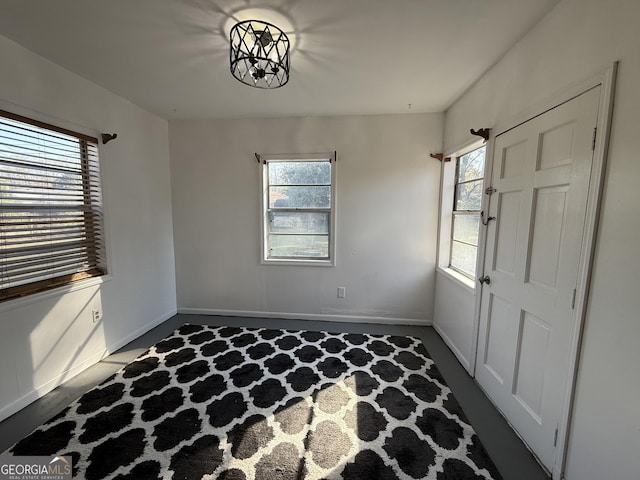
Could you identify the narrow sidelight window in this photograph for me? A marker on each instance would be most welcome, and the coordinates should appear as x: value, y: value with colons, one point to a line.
x: 466, y: 211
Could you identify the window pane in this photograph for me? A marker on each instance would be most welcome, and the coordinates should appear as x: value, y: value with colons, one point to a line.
x: 299, y: 246
x: 469, y: 195
x: 299, y: 173
x: 465, y: 228
x: 463, y: 257
x: 298, y: 222
x: 300, y: 197
x: 471, y: 165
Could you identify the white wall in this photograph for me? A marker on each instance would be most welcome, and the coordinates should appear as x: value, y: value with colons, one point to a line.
x: 387, y: 201
x: 453, y: 317
x: 455, y: 295
x: 44, y: 342
x: 577, y: 39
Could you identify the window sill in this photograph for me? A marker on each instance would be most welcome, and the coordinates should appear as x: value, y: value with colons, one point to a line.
x: 465, y: 282
x: 300, y: 263
x: 53, y: 293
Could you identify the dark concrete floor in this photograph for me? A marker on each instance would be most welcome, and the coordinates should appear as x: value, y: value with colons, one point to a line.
x: 510, y: 455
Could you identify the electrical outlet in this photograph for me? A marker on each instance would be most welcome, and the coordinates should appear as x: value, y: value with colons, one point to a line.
x: 96, y: 315
x: 342, y: 292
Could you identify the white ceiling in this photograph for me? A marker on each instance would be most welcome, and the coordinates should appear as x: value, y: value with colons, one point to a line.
x: 351, y: 56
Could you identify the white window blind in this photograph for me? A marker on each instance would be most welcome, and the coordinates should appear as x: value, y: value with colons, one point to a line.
x: 51, y: 219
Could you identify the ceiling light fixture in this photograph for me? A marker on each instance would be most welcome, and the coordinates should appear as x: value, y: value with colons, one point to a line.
x: 259, y: 54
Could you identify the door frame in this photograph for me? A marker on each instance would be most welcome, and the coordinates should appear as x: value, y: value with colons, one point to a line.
x: 606, y: 79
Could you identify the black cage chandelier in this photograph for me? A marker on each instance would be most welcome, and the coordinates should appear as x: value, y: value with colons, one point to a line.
x: 259, y: 54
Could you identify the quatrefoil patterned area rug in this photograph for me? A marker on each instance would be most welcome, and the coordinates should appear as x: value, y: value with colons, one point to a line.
x: 241, y: 404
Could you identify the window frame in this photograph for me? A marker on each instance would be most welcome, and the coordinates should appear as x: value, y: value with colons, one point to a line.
x: 468, y: 213
x: 445, y: 217
x: 265, y: 210
x: 93, y: 232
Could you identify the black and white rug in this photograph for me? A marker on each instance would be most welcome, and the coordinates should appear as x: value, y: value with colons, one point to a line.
x: 241, y: 404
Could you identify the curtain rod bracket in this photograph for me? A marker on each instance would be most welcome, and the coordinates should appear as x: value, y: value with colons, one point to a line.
x: 482, y: 132
x: 440, y: 156
x: 107, y: 137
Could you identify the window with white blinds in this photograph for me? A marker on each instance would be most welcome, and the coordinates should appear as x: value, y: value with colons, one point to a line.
x: 51, y: 220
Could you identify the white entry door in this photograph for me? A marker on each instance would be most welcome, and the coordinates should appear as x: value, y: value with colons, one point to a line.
x: 541, y: 172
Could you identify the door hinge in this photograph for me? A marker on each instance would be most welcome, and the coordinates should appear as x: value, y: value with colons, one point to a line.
x: 593, y: 140
x: 490, y: 190
x: 573, y: 299
x: 555, y: 438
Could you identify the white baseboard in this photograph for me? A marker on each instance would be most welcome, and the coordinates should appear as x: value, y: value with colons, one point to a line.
x: 46, y: 387
x: 461, y: 358
x: 141, y: 331
x: 306, y: 316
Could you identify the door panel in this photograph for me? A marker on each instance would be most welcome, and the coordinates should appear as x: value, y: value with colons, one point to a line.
x: 513, y: 160
x: 496, y: 333
x: 507, y: 236
x: 556, y: 146
x: 541, y: 172
x: 529, y: 378
x: 548, y: 222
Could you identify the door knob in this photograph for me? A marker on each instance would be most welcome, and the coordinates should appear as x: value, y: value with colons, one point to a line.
x: 486, y: 279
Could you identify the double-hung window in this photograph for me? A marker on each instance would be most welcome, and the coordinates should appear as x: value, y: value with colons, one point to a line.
x: 298, y: 209
x: 51, y: 222
x: 467, y: 200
